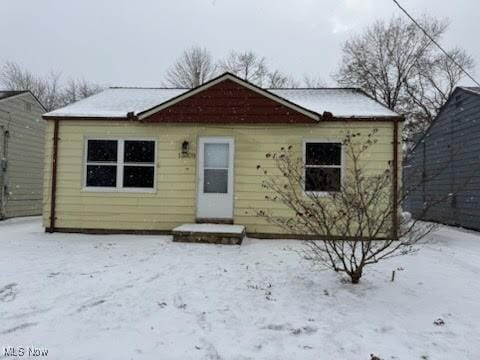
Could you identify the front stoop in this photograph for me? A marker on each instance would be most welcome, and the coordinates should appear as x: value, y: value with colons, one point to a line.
x: 210, y: 233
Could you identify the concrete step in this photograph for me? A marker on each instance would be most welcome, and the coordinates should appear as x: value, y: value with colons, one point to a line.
x: 210, y: 233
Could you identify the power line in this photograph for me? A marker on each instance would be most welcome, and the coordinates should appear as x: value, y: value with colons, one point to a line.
x: 436, y: 43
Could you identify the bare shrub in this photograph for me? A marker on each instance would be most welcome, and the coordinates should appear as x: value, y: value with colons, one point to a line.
x: 355, y: 225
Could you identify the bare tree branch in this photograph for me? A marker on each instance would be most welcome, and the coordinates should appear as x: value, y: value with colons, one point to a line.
x: 50, y: 91
x: 193, y: 68
x: 277, y: 79
x: 246, y: 65
x: 398, y: 65
x: 310, y: 81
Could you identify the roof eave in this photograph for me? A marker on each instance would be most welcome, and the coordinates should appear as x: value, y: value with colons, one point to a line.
x: 98, y: 118
x: 467, y: 89
x: 327, y: 116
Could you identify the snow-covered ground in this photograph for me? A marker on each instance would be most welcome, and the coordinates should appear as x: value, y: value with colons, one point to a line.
x: 144, y: 297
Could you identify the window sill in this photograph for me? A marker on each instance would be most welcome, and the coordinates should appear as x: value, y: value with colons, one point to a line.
x: 321, y: 193
x: 118, y: 190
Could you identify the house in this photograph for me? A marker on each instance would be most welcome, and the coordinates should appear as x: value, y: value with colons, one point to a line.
x: 22, y: 139
x: 148, y: 160
x: 442, y: 172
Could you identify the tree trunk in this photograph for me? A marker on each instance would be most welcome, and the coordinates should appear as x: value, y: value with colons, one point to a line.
x: 355, y: 276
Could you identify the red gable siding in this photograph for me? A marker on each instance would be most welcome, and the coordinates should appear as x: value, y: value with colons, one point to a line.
x: 228, y: 102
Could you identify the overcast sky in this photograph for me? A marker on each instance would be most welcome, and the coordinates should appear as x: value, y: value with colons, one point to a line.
x: 133, y: 42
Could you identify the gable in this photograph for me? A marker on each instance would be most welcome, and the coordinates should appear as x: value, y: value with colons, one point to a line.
x: 10, y: 95
x: 229, y: 101
x: 447, y: 113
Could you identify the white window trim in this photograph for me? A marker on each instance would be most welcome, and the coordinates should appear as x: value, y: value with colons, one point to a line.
x: 341, y: 166
x: 119, y: 164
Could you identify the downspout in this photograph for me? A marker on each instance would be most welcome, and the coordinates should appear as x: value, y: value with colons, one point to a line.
x: 4, y: 197
x: 53, y: 194
x: 395, y: 180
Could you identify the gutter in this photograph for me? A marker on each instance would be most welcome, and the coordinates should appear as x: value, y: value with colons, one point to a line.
x: 53, y: 193
x: 131, y: 116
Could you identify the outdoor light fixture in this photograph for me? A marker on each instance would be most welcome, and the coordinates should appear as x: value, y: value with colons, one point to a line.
x: 185, y: 148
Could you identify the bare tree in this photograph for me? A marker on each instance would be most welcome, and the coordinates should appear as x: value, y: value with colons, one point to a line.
x: 246, y: 65
x: 75, y: 90
x: 354, y: 223
x: 48, y: 89
x: 434, y: 80
x: 276, y: 79
x: 193, y: 68
x: 399, y: 66
x: 310, y: 81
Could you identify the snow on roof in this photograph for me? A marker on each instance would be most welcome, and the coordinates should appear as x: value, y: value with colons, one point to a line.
x: 340, y: 102
x: 117, y: 102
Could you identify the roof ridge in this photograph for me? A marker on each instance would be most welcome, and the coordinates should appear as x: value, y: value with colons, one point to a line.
x: 266, y: 88
x: 14, y: 92
x: 314, y: 88
x: 148, y: 87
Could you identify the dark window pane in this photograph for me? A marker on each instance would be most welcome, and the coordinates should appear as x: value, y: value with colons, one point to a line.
x: 102, y: 150
x: 323, y: 153
x: 322, y: 179
x: 215, y: 181
x: 139, y: 151
x: 138, y: 176
x: 101, y: 175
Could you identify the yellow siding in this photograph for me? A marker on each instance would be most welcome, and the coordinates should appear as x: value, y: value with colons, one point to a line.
x: 174, y: 200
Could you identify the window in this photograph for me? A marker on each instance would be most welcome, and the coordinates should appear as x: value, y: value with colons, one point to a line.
x: 323, y: 166
x: 102, y: 163
x: 120, y: 164
x: 215, y: 168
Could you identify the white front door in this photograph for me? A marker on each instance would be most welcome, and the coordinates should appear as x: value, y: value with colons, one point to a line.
x: 215, y: 178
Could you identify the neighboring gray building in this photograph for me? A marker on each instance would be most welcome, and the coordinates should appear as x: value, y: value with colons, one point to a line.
x: 22, y: 139
x: 442, y: 173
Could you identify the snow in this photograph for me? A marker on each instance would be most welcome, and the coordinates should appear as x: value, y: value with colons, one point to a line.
x: 117, y: 102
x: 339, y: 102
x: 145, y: 297
x: 211, y: 228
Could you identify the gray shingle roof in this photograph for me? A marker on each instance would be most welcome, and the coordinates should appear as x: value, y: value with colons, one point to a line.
x: 117, y: 102
x: 474, y: 89
x: 340, y: 102
x: 8, y: 93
